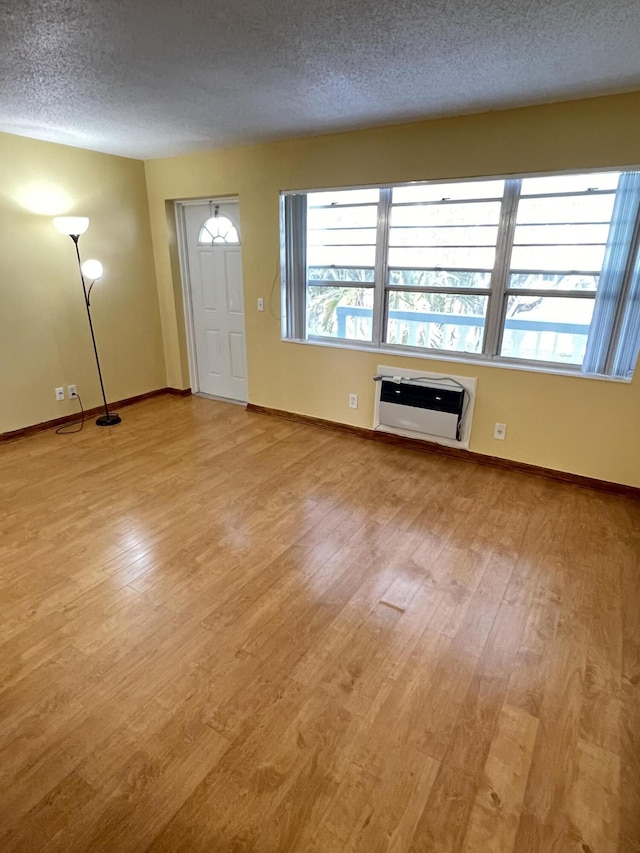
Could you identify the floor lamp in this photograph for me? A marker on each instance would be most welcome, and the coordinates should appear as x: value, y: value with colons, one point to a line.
x: 74, y: 226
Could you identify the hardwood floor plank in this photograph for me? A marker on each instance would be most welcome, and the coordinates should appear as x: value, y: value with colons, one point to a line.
x: 544, y: 823
x: 139, y: 799
x: 493, y: 822
x: 630, y: 751
x: 52, y: 758
x: 469, y: 734
x: 50, y: 815
x: 372, y: 812
x: 257, y: 772
x: 233, y: 633
x: 593, y: 802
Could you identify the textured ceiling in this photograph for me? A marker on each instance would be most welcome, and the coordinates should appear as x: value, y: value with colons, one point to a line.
x: 150, y: 78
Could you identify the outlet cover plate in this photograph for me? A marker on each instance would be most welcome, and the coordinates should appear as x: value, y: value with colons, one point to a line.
x: 500, y: 431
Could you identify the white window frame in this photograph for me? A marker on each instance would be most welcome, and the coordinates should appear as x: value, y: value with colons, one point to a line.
x: 616, y: 361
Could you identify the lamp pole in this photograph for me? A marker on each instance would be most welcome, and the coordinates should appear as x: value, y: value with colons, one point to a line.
x: 74, y: 226
x: 109, y: 418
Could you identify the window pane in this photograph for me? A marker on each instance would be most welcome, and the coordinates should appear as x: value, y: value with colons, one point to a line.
x: 569, y: 209
x: 449, y: 256
x: 340, y: 312
x: 547, y: 328
x: 565, y: 245
x: 339, y: 274
x: 218, y: 229
x: 457, y: 190
x: 570, y: 183
x: 439, y: 278
x: 343, y: 197
x: 561, y: 234
x: 438, y: 244
x: 438, y: 254
x: 479, y: 235
x: 542, y: 281
x: 342, y: 236
x: 557, y: 258
x: 342, y: 217
x: 436, y: 320
x: 473, y: 213
x: 341, y: 256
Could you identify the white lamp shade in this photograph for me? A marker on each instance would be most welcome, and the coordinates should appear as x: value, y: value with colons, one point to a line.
x: 92, y: 269
x: 71, y: 225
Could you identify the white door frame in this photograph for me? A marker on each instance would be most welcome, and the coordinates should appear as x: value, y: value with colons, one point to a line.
x: 185, y: 279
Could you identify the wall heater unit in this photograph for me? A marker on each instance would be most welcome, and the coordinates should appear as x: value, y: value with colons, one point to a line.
x: 422, y: 408
x: 436, y: 408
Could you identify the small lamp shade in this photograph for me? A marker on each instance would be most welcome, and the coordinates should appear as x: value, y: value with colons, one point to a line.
x: 71, y: 225
x: 92, y: 269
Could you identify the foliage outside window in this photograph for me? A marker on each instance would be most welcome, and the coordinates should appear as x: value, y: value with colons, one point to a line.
x: 541, y: 270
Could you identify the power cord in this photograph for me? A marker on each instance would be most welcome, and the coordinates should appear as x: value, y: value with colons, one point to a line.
x: 65, y: 429
x: 273, y: 287
x: 466, y: 399
x: 432, y: 380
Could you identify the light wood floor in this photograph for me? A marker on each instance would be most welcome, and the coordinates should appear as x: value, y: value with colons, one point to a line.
x: 226, y: 632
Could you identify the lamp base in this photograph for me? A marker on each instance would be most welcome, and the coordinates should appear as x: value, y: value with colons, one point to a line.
x: 108, y: 420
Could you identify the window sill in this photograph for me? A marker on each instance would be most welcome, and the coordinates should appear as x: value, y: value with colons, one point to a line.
x: 503, y: 364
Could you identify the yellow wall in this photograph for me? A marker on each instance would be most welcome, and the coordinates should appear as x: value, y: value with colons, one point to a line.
x: 579, y: 425
x: 44, y: 334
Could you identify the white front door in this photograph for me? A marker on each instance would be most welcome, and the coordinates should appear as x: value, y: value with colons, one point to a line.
x: 215, y: 281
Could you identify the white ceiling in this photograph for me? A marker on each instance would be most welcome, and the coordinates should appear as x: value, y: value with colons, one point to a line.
x: 151, y: 78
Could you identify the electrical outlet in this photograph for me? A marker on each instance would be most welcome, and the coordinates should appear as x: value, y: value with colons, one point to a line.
x: 500, y: 431
x: 353, y: 401
x: 72, y: 392
x: 260, y: 304
x: 60, y: 393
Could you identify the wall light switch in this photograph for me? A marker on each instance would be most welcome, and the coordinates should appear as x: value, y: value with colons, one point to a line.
x: 260, y: 304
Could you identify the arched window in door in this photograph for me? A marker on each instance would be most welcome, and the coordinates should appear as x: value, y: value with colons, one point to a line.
x: 218, y: 229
